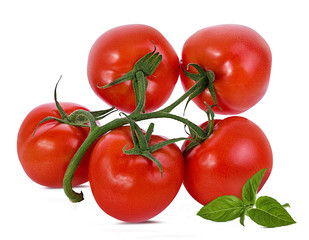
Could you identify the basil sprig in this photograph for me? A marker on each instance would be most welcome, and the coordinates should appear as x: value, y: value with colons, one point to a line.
x: 264, y: 211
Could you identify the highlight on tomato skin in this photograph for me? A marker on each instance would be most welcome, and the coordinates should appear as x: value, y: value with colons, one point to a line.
x: 222, y: 164
x: 45, y: 155
x: 114, y: 54
x: 130, y: 188
x: 241, y: 60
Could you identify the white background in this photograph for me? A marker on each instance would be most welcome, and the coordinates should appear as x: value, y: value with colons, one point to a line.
x: 41, y: 40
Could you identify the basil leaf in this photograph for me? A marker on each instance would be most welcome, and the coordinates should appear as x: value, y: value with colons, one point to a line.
x: 250, y: 188
x: 248, y: 195
x: 270, y: 213
x: 242, y: 218
x: 222, y: 209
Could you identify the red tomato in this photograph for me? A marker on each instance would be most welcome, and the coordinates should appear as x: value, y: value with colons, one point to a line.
x: 114, y: 54
x: 46, y: 155
x: 241, y: 60
x: 221, y: 165
x: 130, y: 187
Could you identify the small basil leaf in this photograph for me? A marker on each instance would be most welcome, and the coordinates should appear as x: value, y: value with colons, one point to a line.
x: 250, y: 188
x: 242, y: 218
x: 248, y: 196
x: 270, y: 213
x: 222, y: 209
x: 256, y: 179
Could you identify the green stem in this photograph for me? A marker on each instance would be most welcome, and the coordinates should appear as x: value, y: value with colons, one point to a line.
x: 140, y: 87
x: 160, y: 114
x: 97, y: 132
x: 143, y: 67
x: 180, y: 100
x: 94, y: 134
x: 69, y: 174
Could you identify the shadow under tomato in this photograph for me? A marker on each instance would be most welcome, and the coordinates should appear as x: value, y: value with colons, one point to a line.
x: 139, y: 223
x: 82, y: 186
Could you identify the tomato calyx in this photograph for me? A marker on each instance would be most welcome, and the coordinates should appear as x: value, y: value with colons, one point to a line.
x: 78, y: 118
x: 204, y: 79
x: 196, y: 139
x: 144, y: 67
x: 147, y: 64
x: 141, y: 143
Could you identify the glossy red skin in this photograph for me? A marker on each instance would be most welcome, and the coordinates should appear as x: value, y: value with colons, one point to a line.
x: 129, y: 187
x: 241, y: 60
x: 46, y: 155
x: 114, y: 54
x: 221, y: 165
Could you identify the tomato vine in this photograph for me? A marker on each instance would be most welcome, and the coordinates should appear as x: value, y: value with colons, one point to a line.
x: 215, y: 183
x: 146, y: 65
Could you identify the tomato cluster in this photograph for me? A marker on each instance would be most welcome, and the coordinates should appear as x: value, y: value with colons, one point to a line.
x: 133, y: 174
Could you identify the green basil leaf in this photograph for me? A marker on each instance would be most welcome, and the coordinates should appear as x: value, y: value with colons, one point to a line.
x: 248, y: 196
x: 222, y: 209
x: 286, y: 205
x: 270, y: 213
x: 250, y: 188
x: 256, y: 179
x: 242, y: 218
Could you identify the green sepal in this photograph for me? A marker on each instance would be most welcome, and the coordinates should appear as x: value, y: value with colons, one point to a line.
x: 201, y: 85
x: 192, y: 132
x: 202, y: 73
x: 61, y: 111
x: 204, y: 80
x: 82, y: 118
x: 200, y: 79
x: 196, y: 140
x: 147, y: 154
x: 128, y: 76
x: 48, y: 119
x: 144, y: 67
x: 211, y: 119
x: 191, y: 145
x: 98, y: 115
x: 194, y: 76
x: 149, y: 132
x: 159, y: 145
x: 141, y: 143
x: 147, y: 64
x: 74, y: 119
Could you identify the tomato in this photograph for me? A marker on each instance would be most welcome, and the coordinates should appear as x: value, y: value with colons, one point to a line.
x: 46, y: 155
x: 235, y: 151
x: 241, y: 61
x: 114, y: 54
x: 130, y: 187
